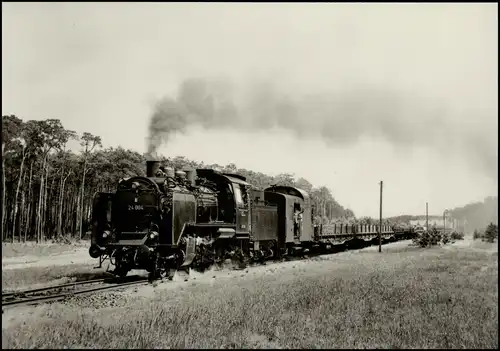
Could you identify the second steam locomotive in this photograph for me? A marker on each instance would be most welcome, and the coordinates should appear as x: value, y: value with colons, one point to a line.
x: 171, y: 220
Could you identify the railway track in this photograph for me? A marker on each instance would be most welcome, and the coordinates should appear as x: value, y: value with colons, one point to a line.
x: 63, y: 291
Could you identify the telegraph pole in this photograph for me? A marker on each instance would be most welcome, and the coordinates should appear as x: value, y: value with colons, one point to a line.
x: 427, y: 216
x: 444, y: 220
x: 380, y: 222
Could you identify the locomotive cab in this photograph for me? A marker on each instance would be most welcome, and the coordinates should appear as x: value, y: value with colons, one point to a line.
x: 242, y: 204
x: 233, y: 200
x: 297, y: 223
x: 226, y: 202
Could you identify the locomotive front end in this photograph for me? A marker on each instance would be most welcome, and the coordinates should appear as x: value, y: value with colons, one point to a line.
x: 126, y: 224
x: 141, y: 224
x: 136, y: 211
x: 136, y: 223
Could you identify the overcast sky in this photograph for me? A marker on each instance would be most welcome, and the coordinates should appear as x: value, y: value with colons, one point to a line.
x: 100, y: 67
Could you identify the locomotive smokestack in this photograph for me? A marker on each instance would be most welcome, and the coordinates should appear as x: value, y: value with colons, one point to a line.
x: 152, y: 166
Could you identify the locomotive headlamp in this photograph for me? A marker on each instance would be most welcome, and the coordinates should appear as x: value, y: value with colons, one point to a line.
x: 105, y: 234
x: 135, y: 185
x: 153, y: 235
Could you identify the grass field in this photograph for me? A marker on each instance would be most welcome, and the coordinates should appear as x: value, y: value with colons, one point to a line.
x: 10, y: 250
x: 411, y: 298
x: 36, y: 277
x: 30, y: 265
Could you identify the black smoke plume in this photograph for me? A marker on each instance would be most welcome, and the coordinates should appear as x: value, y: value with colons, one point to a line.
x: 338, y: 118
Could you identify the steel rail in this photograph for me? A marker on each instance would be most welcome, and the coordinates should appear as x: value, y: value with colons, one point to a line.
x: 62, y: 296
x: 20, y: 297
x: 53, y: 287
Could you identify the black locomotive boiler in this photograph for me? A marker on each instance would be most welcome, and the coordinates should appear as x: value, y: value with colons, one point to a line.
x: 171, y: 220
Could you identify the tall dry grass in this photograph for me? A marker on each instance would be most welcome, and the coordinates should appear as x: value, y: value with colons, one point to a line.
x: 412, y: 298
x: 10, y: 250
x: 36, y: 277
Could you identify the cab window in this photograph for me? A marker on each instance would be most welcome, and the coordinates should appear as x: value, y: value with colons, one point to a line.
x: 240, y: 195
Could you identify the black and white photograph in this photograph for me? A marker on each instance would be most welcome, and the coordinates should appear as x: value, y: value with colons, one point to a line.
x: 207, y: 175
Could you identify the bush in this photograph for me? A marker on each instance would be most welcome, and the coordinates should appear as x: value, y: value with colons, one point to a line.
x: 491, y: 233
x: 476, y: 234
x: 457, y: 236
x: 428, y: 238
x: 421, y: 239
x: 445, y: 238
x: 435, y: 236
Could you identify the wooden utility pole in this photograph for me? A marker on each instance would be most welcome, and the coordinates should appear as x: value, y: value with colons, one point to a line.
x: 444, y: 221
x: 427, y: 216
x: 380, y: 222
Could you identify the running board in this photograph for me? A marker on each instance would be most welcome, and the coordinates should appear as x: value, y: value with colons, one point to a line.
x: 226, y: 233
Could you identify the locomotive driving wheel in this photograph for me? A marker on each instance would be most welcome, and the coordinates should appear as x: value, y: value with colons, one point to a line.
x: 158, y: 271
x: 164, y: 268
x: 239, y: 259
x: 121, y: 271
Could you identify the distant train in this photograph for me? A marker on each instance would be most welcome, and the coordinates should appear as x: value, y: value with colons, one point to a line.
x: 170, y: 220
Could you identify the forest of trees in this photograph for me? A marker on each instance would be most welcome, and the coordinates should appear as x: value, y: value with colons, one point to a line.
x: 47, y: 190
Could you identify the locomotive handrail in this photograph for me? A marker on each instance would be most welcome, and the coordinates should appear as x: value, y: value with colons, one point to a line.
x: 152, y: 183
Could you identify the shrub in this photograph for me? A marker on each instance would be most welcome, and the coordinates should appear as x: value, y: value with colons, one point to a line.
x: 435, y: 236
x: 476, y: 234
x: 457, y: 236
x: 421, y: 239
x: 491, y: 233
x: 428, y: 238
x: 445, y: 238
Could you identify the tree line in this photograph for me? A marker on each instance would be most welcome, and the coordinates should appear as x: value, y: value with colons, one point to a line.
x: 47, y: 190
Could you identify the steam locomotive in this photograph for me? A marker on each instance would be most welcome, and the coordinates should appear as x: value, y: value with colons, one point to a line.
x: 173, y: 220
